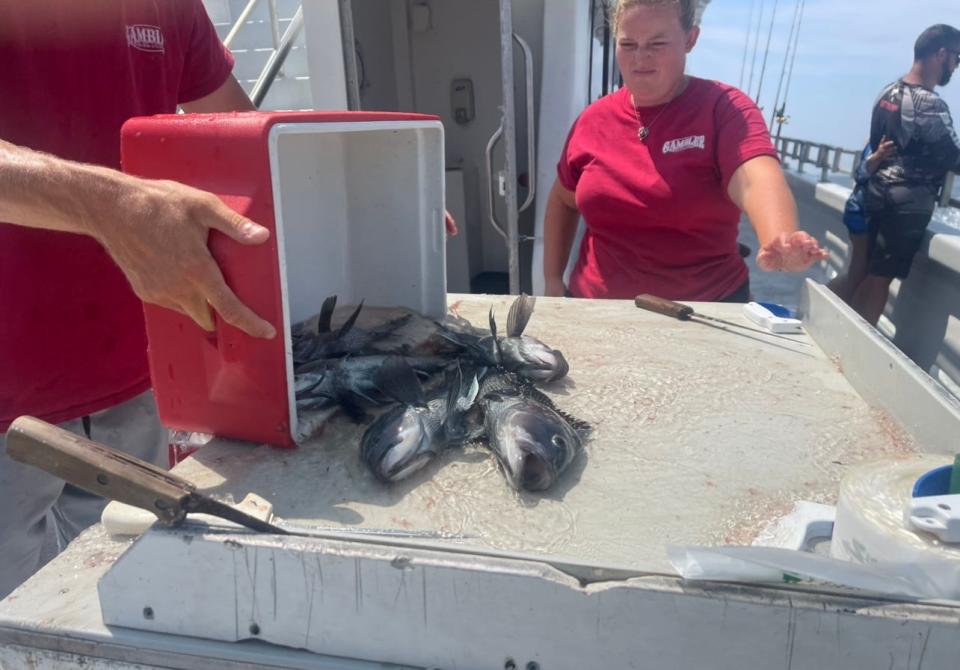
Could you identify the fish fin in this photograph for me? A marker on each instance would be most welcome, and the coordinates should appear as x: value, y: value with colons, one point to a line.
x: 389, y: 327
x: 532, y: 391
x: 397, y: 380
x: 579, y: 425
x: 348, y: 324
x: 453, y: 380
x: 520, y: 312
x: 325, y: 319
x: 467, y: 341
x: 451, y: 336
x: 469, y: 396
x: 493, y: 324
x: 498, y: 352
x: 462, y: 389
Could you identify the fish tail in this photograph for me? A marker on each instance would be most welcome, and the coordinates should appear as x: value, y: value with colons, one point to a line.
x: 520, y: 312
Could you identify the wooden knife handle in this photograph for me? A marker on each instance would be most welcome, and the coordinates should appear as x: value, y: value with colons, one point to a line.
x: 98, y: 469
x: 663, y: 306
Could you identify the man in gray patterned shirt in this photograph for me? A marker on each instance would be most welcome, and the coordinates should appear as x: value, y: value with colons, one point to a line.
x: 901, y: 195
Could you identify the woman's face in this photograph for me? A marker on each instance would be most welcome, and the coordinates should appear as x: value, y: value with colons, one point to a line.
x: 652, y: 50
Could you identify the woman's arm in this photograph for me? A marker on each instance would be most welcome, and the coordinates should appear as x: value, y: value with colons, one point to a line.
x: 886, y: 149
x: 559, y: 229
x: 760, y: 190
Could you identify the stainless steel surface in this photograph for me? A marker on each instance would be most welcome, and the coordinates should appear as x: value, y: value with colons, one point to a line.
x: 240, y: 22
x: 274, y: 23
x: 531, y: 123
x: 509, y: 144
x: 491, y: 182
x: 350, y: 67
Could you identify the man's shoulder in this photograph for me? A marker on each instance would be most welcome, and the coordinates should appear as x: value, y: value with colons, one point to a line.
x: 928, y: 101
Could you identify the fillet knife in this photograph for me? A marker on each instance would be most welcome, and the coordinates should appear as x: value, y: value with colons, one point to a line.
x: 117, y: 476
x: 685, y: 313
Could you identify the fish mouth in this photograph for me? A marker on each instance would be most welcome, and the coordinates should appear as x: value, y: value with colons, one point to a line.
x: 534, y: 473
x: 403, y: 470
x: 394, y: 445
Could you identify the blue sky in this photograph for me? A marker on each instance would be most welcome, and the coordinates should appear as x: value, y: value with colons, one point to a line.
x: 848, y: 50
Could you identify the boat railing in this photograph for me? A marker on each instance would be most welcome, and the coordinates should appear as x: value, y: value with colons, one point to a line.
x: 282, y: 44
x: 831, y: 160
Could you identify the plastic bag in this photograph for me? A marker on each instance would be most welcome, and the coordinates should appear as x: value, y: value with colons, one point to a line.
x: 772, y: 565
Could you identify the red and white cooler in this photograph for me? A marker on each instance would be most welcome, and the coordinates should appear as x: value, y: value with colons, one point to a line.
x: 355, y: 205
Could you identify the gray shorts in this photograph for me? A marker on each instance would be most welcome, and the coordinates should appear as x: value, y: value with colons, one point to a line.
x: 40, y: 512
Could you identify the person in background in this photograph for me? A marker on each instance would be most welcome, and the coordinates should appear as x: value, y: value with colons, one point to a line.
x: 83, y: 244
x: 660, y: 170
x: 901, y: 195
x: 854, y: 218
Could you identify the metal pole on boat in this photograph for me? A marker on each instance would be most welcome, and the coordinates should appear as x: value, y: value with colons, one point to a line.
x: 509, y: 145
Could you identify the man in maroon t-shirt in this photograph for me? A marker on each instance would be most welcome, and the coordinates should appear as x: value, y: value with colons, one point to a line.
x: 85, y: 243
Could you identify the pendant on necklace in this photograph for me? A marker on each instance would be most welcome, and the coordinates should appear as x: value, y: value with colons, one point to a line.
x: 643, y: 133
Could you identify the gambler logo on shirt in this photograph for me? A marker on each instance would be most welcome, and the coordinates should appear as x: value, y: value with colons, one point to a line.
x: 692, y: 142
x: 145, y: 38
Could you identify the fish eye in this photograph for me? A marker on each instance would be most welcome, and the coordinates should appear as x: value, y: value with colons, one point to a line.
x: 558, y: 442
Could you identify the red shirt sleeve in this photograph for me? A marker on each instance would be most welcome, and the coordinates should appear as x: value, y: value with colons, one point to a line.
x: 571, y: 165
x: 208, y: 63
x: 742, y: 133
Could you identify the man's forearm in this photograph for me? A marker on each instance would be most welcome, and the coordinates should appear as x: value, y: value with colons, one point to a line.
x: 38, y: 190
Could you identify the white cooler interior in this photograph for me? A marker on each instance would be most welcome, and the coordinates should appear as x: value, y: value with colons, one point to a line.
x: 359, y: 213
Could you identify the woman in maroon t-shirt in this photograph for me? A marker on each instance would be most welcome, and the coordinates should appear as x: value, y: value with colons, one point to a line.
x: 660, y: 171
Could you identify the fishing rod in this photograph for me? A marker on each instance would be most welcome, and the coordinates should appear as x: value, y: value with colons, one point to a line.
x: 777, y: 110
x: 766, y: 52
x: 793, y: 60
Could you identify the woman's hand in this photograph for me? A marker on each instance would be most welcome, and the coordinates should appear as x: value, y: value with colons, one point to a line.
x: 886, y: 149
x: 790, y: 252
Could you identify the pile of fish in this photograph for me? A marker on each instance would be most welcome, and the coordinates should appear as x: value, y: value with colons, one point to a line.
x: 469, y: 387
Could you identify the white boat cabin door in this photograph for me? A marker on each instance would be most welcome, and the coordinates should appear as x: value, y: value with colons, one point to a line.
x: 463, y: 61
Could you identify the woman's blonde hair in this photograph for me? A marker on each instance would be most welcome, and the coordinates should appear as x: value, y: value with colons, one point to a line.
x: 686, y: 9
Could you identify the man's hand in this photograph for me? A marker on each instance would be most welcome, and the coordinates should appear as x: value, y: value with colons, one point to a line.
x: 790, y: 252
x: 156, y: 231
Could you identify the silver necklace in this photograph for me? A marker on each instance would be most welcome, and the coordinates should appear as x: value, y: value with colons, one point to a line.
x: 643, y: 130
